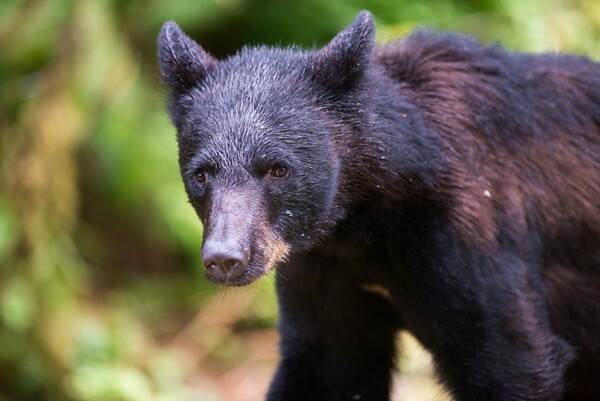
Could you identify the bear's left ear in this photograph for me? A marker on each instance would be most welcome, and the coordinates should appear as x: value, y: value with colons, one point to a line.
x: 183, y: 62
x: 346, y: 57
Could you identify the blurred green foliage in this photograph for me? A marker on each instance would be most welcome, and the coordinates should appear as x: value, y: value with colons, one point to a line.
x: 101, y: 291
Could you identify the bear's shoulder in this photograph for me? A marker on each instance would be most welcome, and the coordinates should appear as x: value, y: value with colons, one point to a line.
x: 426, y: 55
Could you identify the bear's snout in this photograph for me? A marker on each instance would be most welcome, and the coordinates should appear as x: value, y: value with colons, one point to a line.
x: 224, y: 261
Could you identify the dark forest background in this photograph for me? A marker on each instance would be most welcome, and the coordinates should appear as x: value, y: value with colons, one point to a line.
x: 102, y: 295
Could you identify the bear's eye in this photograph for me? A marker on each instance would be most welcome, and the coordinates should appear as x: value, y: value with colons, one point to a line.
x: 279, y: 171
x: 199, y: 176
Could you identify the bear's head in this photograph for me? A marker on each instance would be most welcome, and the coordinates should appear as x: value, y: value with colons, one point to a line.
x: 262, y: 138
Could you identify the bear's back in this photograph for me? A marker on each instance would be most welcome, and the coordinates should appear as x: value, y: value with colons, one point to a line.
x: 525, y: 128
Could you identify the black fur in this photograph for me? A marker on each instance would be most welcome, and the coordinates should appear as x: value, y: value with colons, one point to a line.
x: 434, y: 185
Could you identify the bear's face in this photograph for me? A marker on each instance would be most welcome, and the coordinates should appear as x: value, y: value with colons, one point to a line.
x: 257, y: 150
x: 258, y: 165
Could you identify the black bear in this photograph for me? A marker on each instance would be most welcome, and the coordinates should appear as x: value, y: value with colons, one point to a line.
x: 435, y: 185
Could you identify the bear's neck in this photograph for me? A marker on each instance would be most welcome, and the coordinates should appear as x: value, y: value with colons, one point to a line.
x: 392, y: 156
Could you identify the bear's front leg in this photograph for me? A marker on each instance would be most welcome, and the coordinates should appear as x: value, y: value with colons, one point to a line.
x: 484, y: 319
x: 337, y: 341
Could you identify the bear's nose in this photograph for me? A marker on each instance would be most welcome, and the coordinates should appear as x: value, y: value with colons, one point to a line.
x: 224, y: 261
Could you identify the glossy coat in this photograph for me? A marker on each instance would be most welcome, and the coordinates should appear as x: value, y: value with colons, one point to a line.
x: 434, y: 184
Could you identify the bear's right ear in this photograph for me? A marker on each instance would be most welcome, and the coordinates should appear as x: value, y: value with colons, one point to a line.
x: 348, y: 55
x: 183, y: 62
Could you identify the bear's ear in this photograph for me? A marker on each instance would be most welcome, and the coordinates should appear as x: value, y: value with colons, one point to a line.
x: 346, y: 57
x: 183, y: 62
